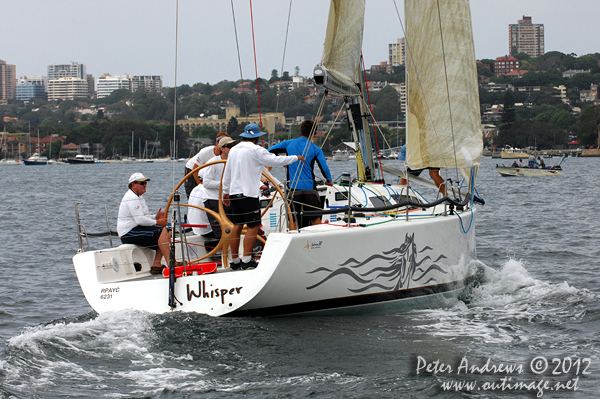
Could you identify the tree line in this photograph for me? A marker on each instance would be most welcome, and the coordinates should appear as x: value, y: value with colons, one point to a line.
x: 543, y: 118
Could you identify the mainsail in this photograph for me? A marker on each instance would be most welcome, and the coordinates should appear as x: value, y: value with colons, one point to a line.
x: 343, y: 44
x: 339, y: 73
x: 443, y: 118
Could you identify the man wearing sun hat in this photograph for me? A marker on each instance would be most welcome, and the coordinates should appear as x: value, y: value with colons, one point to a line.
x: 241, y: 190
x: 136, y: 225
x: 200, y: 159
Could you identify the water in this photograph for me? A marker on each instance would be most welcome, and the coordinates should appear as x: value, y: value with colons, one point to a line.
x: 537, y: 300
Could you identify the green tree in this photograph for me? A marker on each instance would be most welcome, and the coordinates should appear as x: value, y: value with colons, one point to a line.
x: 588, y: 126
x: 206, y: 132
x: 508, y: 111
x: 586, y: 62
x: 232, y: 126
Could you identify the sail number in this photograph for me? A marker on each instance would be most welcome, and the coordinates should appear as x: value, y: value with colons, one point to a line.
x: 107, y: 293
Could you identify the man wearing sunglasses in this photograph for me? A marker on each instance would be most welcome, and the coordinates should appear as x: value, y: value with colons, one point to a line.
x: 136, y: 225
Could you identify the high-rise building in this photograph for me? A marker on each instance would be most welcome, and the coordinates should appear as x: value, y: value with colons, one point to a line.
x: 8, y: 81
x: 397, y: 53
x: 147, y: 82
x: 29, y: 87
x: 67, y: 88
x: 109, y: 83
x: 91, y: 86
x: 72, y: 70
x: 526, y: 37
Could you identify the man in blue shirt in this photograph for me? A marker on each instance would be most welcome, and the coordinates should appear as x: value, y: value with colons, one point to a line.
x: 301, y: 176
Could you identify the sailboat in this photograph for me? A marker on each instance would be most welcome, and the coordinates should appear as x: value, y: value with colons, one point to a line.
x: 36, y: 158
x: 3, y: 144
x: 383, y: 247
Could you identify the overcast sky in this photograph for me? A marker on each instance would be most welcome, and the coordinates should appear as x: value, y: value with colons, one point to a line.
x: 138, y: 36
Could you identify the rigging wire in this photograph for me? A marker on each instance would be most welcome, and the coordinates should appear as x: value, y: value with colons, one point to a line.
x: 175, y: 94
x: 371, y: 112
x: 447, y: 89
x: 255, y: 66
x: 237, y: 44
x: 287, y: 29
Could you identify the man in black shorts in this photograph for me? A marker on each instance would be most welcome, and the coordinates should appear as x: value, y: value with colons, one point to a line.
x: 136, y: 225
x: 301, y: 177
x: 241, y: 191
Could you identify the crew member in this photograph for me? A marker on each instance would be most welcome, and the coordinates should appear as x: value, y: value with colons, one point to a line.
x: 241, y: 190
x: 135, y: 224
x: 301, y: 176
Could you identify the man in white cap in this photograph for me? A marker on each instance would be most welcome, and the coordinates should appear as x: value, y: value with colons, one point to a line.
x: 200, y: 159
x: 136, y: 225
x: 241, y: 190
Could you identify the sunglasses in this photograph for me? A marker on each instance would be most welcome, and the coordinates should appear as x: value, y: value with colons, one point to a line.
x: 142, y: 183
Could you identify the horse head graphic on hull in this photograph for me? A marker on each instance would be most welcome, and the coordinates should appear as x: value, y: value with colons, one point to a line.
x: 390, y: 270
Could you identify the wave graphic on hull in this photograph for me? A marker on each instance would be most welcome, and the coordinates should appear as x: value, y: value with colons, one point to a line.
x: 391, y: 270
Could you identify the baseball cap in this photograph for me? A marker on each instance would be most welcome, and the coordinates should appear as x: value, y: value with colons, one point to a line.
x: 137, y: 177
x: 223, y: 141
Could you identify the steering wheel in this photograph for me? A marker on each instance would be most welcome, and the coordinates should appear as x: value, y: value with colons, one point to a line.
x: 221, y: 217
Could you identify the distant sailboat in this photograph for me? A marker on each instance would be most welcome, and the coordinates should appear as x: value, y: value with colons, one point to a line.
x: 131, y: 158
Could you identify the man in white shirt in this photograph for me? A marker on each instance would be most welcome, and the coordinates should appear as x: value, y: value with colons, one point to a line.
x: 211, y: 180
x: 241, y: 191
x: 200, y: 159
x: 136, y: 225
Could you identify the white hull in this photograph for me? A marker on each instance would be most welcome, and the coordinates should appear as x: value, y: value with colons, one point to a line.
x: 532, y: 172
x: 341, y: 156
x: 394, y: 265
x: 10, y: 162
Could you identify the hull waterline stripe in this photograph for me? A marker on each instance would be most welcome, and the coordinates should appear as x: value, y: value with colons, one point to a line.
x: 338, y: 303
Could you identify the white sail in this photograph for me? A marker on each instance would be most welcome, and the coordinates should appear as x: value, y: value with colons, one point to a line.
x: 443, y: 120
x: 343, y: 45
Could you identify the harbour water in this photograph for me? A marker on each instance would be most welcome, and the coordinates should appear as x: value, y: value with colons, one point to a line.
x: 530, y: 323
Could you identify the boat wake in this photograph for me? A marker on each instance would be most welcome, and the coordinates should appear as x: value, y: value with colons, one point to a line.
x: 502, y: 305
x: 508, y: 312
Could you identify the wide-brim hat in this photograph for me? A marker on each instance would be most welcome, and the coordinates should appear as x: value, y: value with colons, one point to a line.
x: 137, y: 177
x: 252, y: 131
x: 402, y: 153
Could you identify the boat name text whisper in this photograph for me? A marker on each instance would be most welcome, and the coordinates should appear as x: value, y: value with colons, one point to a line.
x: 212, y: 292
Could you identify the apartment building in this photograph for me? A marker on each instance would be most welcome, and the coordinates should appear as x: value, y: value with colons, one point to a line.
x: 146, y: 82
x: 8, y: 81
x: 506, y: 64
x: 72, y: 70
x: 30, y: 86
x: 526, y: 37
x: 67, y: 88
x: 397, y: 53
x: 109, y: 83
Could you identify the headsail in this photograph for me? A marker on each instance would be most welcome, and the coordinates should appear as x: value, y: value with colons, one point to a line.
x: 443, y: 121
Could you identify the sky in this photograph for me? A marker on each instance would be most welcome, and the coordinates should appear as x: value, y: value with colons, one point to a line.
x: 145, y: 37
